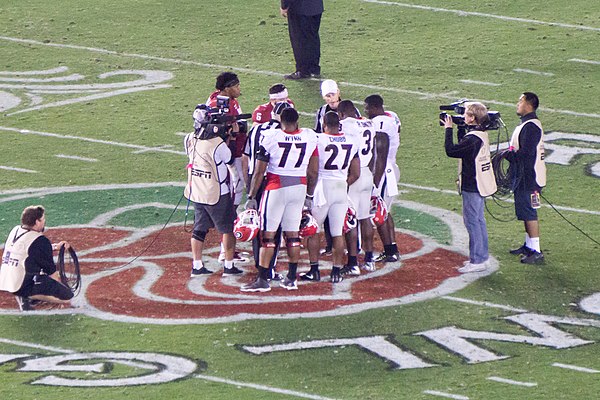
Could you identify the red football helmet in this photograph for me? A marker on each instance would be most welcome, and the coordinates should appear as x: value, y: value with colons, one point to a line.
x: 246, y: 226
x: 350, y: 222
x: 378, y: 211
x: 308, y: 225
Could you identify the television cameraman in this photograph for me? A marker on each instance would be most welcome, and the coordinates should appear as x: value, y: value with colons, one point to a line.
x: 475, y: 179
x: 209, y: 153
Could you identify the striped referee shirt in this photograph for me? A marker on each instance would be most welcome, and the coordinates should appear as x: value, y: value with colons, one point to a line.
x: 253, y: 141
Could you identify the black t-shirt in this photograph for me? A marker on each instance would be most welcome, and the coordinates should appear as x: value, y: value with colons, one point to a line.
x: 40, y: 258
x: 467, y: 148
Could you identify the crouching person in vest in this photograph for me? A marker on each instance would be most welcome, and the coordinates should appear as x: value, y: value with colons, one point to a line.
x: 28, y: 270
x: 475, y: 180
x: 209, y: 189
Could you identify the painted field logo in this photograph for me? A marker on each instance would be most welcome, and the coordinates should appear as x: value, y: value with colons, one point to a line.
x: 156, y: 287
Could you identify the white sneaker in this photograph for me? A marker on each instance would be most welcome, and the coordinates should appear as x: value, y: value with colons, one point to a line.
x: 470, y: 267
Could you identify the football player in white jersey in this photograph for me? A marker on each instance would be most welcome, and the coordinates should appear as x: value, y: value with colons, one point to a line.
x: 362, y: 132
x: 339, y: 166
x: 386, y: 174
x: 290, y: 158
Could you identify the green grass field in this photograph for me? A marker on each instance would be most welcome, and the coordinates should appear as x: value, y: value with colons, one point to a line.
x: 82, y: 121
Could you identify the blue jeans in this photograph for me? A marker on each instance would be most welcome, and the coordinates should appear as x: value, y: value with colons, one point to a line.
x: 474, y: 220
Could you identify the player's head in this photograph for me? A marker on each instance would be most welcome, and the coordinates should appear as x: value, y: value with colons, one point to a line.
x: 228, y: 84
x: 347, y: 109
x: 278, y: 92
x: 278, y: 109
x: 330, y: 93
x: 289, y: 120
x: 34, y: 217
x: 374, y: 105
x: 331, y: 123
x: 528, y: 103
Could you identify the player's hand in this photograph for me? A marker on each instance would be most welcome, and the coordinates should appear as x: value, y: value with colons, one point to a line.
x: 251, y: 204
x: 283, y: 12
x: 376, y: 191
x: 308, y: 203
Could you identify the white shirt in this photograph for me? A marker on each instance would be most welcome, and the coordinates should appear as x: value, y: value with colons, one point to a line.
x: 362, y: 132
x: 389, y: 123
x: 335, y: 154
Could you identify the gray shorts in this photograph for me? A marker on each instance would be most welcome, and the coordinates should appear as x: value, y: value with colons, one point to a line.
x: 220, y: 215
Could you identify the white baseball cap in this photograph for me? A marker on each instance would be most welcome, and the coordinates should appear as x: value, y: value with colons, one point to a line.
x: 328, y: 86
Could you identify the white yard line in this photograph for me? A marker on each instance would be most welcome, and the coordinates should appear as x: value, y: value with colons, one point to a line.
x: 511, y: 382
x: 85, y: 139
x: 463, y: 13
x: 28, y: 171
x: 530, y: 71
x: 420, y: 94
x: 446, y: 395
x: 576, y: 368
x: 453, y: 192
x: 484, y: 304
x: 262, y: 387
x: 469, y: 81
x: 77, y: 158
x: 579, y: 60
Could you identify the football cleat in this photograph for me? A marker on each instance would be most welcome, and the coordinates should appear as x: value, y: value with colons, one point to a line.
x: 246, y: 226
x: 350, y: 270
x: 308, y: 225
x: 336, y: 275
x: 350, y: 221
x: 378, y: 211
x: 288, y: 284
x: 314, y: 276
x: 368, y: 266
x: 232, y: 271
x: 259, y: 285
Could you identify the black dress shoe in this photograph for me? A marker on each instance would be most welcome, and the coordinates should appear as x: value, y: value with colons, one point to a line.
x: 533, y: 258
x: 524, y: 250
x: 297, y: 75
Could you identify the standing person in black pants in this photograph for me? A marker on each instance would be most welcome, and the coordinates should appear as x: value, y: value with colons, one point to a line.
x: 304, y: 20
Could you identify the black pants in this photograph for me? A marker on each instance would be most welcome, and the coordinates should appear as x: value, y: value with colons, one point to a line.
x: 306, y: 44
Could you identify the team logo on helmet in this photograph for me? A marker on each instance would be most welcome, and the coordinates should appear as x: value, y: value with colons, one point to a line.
x: 246, y: 226
x: 378, y: 211
x: 350, y: 221
x: 308, y: 225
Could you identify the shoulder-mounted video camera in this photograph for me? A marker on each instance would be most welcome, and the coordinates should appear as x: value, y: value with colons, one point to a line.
x: 494, y: 119
x: 210, y: 122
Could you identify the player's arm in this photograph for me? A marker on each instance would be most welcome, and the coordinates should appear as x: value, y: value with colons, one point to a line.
x: 382, y: 147
x: 260, y: 167
x: 312, y: 173
x: 353, y: 170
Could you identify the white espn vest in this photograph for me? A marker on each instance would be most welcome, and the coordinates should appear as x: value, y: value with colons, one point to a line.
x: 540, y: 165
x: 484, y: 173
x: 16, y: 249
x: 203, y: 178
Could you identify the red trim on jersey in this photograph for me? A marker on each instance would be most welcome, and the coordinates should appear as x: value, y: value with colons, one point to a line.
x: 292, y: 133
x: 274, y: 181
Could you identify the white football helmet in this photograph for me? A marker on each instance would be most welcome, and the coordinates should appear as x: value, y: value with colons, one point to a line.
x: 246, y: 225
x: 378, y: 211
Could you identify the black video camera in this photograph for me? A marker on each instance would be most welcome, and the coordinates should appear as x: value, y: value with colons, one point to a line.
x: 494, y: 119
x: 210, y: 122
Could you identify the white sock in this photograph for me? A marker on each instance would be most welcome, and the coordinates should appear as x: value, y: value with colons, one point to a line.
x: 228, y: 264
x: 535, y: 244
x: 527, y: 240
x: 222, y: 248
x: 197, y: 264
